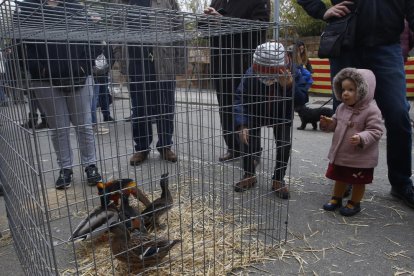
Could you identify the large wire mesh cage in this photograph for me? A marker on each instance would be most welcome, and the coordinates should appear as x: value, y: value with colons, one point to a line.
x: 112, y: 124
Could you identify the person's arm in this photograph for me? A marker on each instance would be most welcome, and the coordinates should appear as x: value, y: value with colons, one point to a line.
x: 373, y: 129
x: 318, y: 10
x: 261, y: 11
x: 314, y: 8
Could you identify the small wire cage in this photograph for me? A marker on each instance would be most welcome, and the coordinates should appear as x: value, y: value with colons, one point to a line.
x: 165, y: 81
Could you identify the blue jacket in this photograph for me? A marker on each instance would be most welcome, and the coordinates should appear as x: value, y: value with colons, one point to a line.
x: 256, y: 104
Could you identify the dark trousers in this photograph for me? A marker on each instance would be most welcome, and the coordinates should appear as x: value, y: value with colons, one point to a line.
x: 390, y: 94
x: 281, y: 133
x: 104, y: 98
x: 225, y: 89
x: 151, y: 101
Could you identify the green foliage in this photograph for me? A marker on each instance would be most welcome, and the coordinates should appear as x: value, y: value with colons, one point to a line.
x: 292, y: 13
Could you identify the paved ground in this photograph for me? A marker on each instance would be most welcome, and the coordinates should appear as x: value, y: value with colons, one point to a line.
x: 378, y: 241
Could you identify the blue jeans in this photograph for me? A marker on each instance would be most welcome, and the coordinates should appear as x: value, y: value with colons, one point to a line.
x: 390, y: 94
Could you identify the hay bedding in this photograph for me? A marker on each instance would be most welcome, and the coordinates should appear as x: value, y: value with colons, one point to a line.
x: 213, y: 242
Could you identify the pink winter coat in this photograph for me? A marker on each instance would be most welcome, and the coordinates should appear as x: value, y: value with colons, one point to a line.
x: 364, y: 118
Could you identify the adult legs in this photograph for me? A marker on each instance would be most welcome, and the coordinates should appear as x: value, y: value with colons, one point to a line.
x: 225, y: 90
x: 104, y: 100
x: 347, y: 59
x: 53, y: 102
x: 165, y: 108
x: 94, y: 103
x: 390, y: 95
x: 142, y: 90
x: 79, y: 104
x: 61, y: 108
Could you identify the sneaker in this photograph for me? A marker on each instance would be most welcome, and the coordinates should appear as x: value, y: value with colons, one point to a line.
x: 109, y: 119
x: 92, y: 175
x: 407, y: 196
x: 64, y: 180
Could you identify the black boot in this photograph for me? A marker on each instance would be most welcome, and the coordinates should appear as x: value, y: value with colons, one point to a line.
x: 31, y: 121
x: 42, y: 124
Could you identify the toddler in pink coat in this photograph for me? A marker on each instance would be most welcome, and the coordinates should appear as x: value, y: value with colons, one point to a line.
x: 357, y: 128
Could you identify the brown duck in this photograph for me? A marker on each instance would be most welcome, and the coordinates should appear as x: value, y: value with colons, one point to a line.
x: 158, y: 207
x: 138, y: 249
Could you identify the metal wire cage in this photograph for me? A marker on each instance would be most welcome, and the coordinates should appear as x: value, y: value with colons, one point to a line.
x: 167, y: 67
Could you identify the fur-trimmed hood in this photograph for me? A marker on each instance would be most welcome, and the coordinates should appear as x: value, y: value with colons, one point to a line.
x: 365, y: 84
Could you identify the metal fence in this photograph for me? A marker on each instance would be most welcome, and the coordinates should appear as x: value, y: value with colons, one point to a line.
x: 56, y: 67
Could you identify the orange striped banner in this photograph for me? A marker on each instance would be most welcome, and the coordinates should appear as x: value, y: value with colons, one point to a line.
x: 322, y: 78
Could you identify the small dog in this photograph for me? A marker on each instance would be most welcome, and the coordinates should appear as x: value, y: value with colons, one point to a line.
x: 312, y: 115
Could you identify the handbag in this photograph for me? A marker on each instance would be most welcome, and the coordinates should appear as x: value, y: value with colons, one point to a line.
x: 339, y: 34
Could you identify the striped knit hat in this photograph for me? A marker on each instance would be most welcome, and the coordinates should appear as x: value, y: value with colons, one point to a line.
x: 269, y: 58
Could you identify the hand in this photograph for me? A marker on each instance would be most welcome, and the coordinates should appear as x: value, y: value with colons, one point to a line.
x: 325, y: 122
x: 355, y: 140
x: 244, y: 135
x: 211, y: 11
x: 285, y: 78
x: 339, y: 10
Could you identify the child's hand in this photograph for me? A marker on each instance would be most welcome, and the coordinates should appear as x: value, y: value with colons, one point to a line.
x: 355, y: 140
x: 325, y: 122
x: 244, y: 135
x: 285, y: 78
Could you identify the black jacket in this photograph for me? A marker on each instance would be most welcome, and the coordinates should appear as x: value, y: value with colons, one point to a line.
x: 232, y: 54
x: 380, y: 22
x: 55, y: 59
